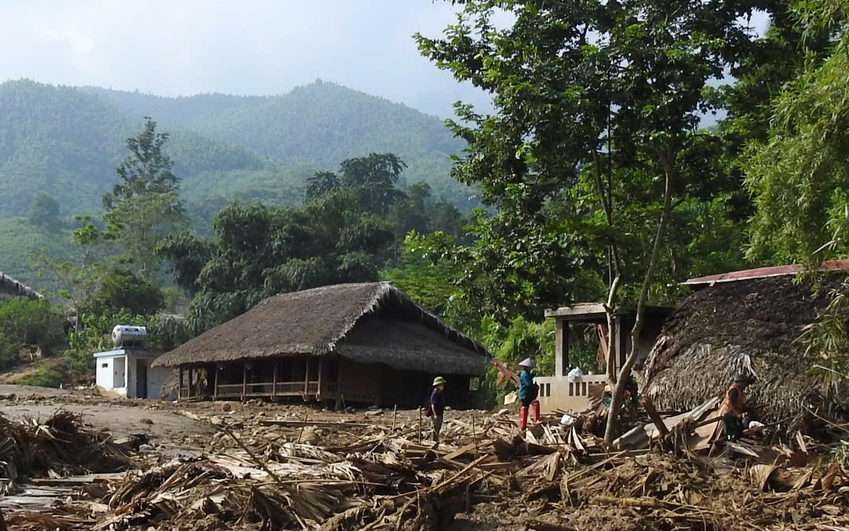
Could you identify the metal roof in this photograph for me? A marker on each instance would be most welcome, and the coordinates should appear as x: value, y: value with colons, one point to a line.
x: 764, y: 272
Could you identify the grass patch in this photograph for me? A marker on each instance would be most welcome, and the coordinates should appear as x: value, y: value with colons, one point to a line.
x: 42, y: 378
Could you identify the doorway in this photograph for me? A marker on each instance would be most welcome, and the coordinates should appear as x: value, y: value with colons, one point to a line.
x: 141, y: 378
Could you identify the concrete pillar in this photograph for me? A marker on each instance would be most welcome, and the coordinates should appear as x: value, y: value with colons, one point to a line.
x: 561, y: 347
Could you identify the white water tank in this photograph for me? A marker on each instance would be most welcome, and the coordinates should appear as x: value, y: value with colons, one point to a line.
x: 128, y: 336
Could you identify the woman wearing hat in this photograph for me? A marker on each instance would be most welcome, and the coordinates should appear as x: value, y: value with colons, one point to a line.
x: 437, y: 407
x: 528, y: 391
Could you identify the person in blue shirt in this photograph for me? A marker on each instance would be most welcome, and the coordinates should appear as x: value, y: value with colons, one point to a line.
x: 437, y: 407
x: 528, y: 392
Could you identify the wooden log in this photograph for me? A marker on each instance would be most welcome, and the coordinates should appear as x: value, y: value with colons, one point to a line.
x: 654, y: 416
x: 538, y: 525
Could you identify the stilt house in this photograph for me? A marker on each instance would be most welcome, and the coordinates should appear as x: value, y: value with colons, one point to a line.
x: 361, y: 343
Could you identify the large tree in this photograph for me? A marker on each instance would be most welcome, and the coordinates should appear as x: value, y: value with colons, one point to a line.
x: 595, y: 140
x: 144, y: 207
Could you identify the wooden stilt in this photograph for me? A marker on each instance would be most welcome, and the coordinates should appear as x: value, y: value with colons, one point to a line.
x: 244, y: 380
x: 307, y: 377
x: 320, y: 378
x: 180, y: 388
x: 215, y: 384
x: 274, y: 379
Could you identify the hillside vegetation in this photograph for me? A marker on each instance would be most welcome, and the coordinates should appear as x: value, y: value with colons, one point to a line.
x: 65, y: 142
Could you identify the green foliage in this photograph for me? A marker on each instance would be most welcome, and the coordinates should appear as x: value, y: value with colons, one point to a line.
x: 223, y: 147
x: 25, y: 323
x: 44, y: 212
x: 119, y: 289
x: 826, y: 342
x: 797, y: 176
x: 840, y: 453
x: 428, y: 280
x: 43, y: 377
x: 163, y: 333
x: 589, y: 135
x: 144, y: 207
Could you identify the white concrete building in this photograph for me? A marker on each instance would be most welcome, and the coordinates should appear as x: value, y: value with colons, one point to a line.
x: 128, y: 372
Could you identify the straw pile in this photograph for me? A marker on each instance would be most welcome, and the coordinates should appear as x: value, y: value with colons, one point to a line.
x: 278, y: 473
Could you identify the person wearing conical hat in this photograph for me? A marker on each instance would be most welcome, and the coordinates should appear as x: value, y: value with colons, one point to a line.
x: 528, y: 391
x: 436, y: 407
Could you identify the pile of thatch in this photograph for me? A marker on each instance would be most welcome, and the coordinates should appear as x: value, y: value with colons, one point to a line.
x: 749, y: 326
x: 59, y: 446
x: 369, y: 323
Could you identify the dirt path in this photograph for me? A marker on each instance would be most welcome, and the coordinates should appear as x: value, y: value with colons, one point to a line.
x: 121, y: 418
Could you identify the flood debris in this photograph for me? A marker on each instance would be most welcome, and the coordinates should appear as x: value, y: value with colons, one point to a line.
x: 260, y: 472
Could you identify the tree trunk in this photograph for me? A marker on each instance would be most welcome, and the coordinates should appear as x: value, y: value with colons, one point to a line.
x: 611, y: 342
x: 622, y: 382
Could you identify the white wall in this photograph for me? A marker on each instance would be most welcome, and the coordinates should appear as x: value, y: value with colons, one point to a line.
x: 155, y: 379
x: 104, y: 372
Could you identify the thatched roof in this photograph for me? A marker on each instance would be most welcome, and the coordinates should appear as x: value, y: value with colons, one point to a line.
x: 745, y: 326
x: 368, y: 323
x: 12, y: 288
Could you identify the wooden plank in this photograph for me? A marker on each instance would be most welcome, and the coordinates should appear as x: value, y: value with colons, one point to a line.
x: 318, y: 424
x: 457, y: 453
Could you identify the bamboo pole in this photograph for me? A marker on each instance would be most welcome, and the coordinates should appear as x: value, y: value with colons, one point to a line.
x: 474, y: 437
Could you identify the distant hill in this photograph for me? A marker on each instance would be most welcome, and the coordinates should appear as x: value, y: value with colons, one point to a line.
x: 67, y: 141
x: 318, y: 125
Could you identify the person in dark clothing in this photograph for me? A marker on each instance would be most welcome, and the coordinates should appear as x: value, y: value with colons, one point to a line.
x: 437, y: 407
x: 732, y: 408
x: 528, y: 392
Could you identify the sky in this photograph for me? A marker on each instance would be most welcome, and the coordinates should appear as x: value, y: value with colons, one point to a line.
x: 247, y: 47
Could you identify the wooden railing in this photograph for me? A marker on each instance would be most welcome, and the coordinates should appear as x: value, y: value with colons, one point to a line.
x: 268, y: 389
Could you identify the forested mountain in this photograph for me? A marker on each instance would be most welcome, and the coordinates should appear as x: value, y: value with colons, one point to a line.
x: 318, y: 125
x: 66, y: 142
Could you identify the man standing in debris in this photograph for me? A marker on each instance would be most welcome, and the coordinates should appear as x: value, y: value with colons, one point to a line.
x: 437, y: 407
x: 528, y: 391
x: 732, y: 408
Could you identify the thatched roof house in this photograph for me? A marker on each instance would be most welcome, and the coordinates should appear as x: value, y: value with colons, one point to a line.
x: 733, y: 326
x: 9, y: 287
x: 364, y: 342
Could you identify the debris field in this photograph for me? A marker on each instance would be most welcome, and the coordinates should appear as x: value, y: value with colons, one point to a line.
x: 270, y: 467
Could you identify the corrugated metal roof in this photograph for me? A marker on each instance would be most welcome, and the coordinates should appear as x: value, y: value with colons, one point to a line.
x: 763, y: 272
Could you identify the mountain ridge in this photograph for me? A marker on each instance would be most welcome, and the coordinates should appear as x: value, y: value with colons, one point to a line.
x: 66, y: 142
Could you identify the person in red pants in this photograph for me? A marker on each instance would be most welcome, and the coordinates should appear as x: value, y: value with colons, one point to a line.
x: 528, y: 392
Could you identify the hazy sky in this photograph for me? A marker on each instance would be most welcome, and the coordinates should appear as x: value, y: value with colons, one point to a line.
x: 183, y: 47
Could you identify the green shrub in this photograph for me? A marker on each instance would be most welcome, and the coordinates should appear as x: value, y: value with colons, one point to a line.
x: 45, y: 377
x: 23, y: 323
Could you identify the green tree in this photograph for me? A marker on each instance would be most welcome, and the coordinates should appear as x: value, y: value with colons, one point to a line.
x: 144, y: 207
x: 44, y: 212
x: 594, y: 143
x: 798, y: 176
x: 321, y: 183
